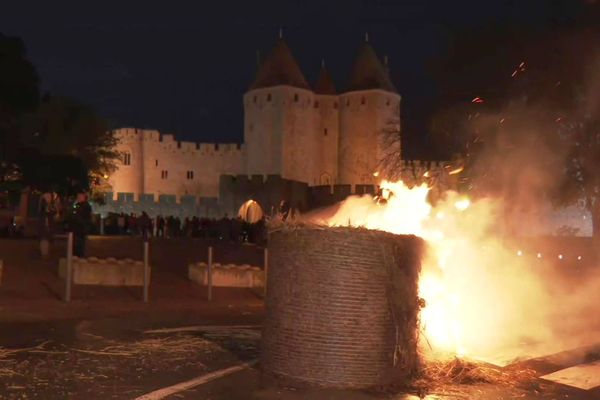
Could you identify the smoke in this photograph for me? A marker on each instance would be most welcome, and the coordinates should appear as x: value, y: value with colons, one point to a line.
x: 517, y: 156
x: 491, y: 293
x: 527, y: 154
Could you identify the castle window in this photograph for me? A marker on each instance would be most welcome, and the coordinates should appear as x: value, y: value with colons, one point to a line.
x: 335, y: 105
x: 387, y: 102
x: 325, y: 132
x: 156, y: 163
x: 316, y: 104
x: 216, y: 146
x: 190, y: 175
x: 269, y: 97
x: 127, y: 159
x: 362, y: 100
x: 296, y: 97
x: 254, y: 99
x: 178, y: 145
x: 164, y: 174
x: 347, y: 102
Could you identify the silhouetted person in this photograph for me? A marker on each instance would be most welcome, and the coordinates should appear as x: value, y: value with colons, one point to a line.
x: 259, y: 232
x: 133, y: 224
x: 121, y: 223
x: 195, y: 226
x: 187, y: 227
x: 48, y: 211
x: 145, y: 225
x: 160, y: 226
x: 236, y: 227
x: 176, y: 226
x: 81, y: 221
x: 223, y: 228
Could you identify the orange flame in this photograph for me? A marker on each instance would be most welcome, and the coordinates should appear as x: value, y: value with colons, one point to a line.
x: 480, y: 297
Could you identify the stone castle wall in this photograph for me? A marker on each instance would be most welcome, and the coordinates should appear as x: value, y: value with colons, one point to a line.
x: 159, y: 164
x: 288, y: 130
x: 363, y: 117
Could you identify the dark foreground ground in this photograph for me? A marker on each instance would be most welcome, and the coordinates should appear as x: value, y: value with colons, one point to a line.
x: 127, y: 358
x: 107, y: 344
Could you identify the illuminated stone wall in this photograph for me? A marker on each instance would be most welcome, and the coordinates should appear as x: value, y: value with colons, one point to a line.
x: 363, y: 117
x: 159, y: 164
x: 293, y: 133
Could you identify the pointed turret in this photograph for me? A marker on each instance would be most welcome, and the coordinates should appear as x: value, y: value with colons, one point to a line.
x: 279, y: 68
x: 324, y: 83
x: 369, y: 73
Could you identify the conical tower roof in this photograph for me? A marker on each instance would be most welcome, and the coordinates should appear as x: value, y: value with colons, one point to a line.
x: 324, y: 83
x: 279, y: 68
x: 369, y: 73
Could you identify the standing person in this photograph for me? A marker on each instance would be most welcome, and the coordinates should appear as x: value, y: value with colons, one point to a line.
x: 160, y: 226
x: 145, y: 225
x: 81, y: 220
x: 121, y: 223
x: 151, y: 222
x: 169, y: 226
x: 236, y: 227
x: 187, y: 227
x: 177, y: 226
x: 133, y: 224
x: 48, y: 211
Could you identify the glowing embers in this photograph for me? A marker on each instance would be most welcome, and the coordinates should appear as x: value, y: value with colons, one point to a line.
x: 559, y: 256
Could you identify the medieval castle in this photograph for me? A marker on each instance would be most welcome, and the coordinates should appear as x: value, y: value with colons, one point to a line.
x: 306, y: 144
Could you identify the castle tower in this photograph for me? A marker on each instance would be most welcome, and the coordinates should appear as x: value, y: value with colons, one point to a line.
x: 279, y: 119
x: 129, y: 176
x: 327, y: 128
x: 370, y: 104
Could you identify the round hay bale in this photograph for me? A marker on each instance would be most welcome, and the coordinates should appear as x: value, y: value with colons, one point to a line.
x: 342, y: 307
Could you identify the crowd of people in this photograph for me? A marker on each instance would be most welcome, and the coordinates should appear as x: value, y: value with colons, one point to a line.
x: 232, y: 229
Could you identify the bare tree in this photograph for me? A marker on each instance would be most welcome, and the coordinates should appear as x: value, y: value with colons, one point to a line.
x: 390, y: 164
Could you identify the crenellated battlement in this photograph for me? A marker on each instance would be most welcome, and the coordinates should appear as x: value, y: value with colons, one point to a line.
x: 169, y: 142
x: 183, y: 206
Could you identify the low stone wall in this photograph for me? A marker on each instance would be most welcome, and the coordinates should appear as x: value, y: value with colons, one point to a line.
x: 105, y: 272
x: 227, y: 275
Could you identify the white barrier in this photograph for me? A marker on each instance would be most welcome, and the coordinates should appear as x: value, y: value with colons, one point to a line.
x: 103, y: 272
x: 227, y: 275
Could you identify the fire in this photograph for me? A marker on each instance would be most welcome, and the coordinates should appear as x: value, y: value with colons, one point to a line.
x: 481, y: 298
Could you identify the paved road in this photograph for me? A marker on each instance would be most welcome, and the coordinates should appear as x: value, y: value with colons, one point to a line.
x: 114, y: 359
x: 127, y: 358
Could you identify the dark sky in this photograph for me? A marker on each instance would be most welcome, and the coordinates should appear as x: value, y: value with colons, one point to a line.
x: 183, y: 66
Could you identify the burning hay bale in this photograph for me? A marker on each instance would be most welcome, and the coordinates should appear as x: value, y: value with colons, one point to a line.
x: 342, y: 307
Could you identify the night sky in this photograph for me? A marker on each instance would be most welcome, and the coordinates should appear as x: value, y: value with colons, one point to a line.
x: 182, y: 67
